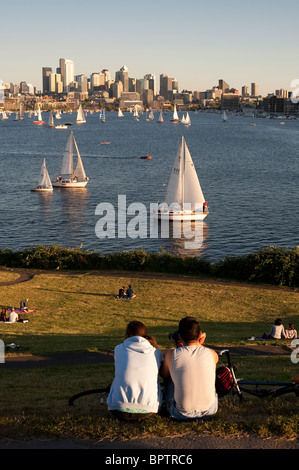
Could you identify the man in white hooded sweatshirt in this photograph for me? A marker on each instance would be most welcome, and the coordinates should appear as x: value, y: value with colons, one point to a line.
x: 135, y: 391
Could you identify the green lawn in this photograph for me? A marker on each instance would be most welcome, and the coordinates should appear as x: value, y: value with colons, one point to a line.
x: 79, y: 312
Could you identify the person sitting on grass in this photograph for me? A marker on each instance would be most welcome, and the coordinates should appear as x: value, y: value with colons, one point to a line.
x: 135, y: 392
x: 277, y: 331
x: 3, y: 316
x: 130, y: 293
x: 13, y: 316
x: 121, y: 293
x: 189, y: 373
x: 290, y: 332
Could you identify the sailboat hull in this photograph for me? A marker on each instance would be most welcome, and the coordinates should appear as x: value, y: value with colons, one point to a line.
x: 42, y: 190
x: 69, y: 184
x: 180, y: 215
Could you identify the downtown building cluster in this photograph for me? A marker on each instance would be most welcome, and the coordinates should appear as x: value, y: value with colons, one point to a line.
x: 61, y: 87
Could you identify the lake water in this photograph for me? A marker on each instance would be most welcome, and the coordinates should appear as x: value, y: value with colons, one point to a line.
x: 249, y: 176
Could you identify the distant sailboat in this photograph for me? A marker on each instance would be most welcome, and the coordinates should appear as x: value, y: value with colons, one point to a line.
x: 51, y: 120
x: 103, y: 115
x: 184, y: 198
x: 44, y: 183
x: 80, y: 116
x: 151, y: 115
x: 187, y: 120
x: 22, y: 111
x: 161, y: 119
x: 224, y: 116
x: 136, y: 114
x: 39, y: 117
x: 68, y: 177
x: 175, y: 117
x: 120, y: 113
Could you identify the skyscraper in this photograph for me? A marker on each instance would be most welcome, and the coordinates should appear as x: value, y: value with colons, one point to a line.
x: 68, y: 73
x: 46, y: 72
x: 254, y: 89
x: 123, y: 76
x: 166, y: 86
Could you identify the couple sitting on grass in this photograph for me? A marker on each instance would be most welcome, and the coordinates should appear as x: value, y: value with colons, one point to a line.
x: 123, y: 294
x: 189, y: 373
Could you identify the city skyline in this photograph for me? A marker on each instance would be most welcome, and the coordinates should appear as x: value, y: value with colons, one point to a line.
x: 197, y: 45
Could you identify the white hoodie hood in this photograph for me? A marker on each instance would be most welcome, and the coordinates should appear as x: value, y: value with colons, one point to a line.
x: 136, y: 385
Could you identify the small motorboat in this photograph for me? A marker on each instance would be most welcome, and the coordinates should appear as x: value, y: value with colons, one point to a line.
x: 104, y: 143
x: 146, y: 157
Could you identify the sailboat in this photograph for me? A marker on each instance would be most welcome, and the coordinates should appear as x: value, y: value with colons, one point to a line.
x: 224, y: 116
x: 68, y: 177
x: 44, y: 183
x: 161, y: 119
x: 102, y: 115
x: 151, y: 115
x: 136, y: 114
x: 39, y: 118
x: 175, y: 117
x: 120, y: 113
x: 187, y: 120
x: 22, y: 111
x: 51, y: 120
x: 184, y: 199
x: 80, y: 116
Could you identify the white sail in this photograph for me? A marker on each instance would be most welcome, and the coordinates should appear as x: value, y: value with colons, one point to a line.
x: 175, y: 188
x: 192, y: 190
x: 187, y: 120
x: 183, y: 120
x: 224, y: 116
x: 136, y: 114
x: 44, y: 179
x: 175, y: 114
x: 79, y: 172
x: 39, y: 115
x: 151, y: 115
x: 51, y: 120
x: 161, y: 119
x: 67, y: 161
x: 80, y: 115
x: 22, y: 111
x: 120, y: 113
x: 184, y: 187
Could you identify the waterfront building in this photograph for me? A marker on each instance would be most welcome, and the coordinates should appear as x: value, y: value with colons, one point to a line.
x: 230, y: 101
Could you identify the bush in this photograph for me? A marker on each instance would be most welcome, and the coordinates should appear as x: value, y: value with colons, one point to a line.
x: 272, y: 265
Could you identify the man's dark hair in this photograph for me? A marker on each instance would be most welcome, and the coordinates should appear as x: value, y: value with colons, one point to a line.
x: 136, y: 328
x: 189, y: 329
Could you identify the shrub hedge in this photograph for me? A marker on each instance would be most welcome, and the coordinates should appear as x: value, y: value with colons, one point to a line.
x: 272, y: 265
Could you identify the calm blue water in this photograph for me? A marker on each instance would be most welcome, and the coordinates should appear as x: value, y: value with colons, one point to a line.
x: 249, y: 176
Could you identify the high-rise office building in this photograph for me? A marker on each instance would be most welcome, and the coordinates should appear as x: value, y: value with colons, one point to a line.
x: 223, y: 86
x: 151, y: 82
x: 122, y: 75
x: 166, y: 86
x: 82, y: 83
x: 68, y: 73
x: 46, y: 72
x: 245, y: 90
x: 254, y: 89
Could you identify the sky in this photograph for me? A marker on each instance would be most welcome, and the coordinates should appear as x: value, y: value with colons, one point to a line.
x: 196, y: 42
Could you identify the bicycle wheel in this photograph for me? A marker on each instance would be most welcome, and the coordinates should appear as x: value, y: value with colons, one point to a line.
x: 101, y: 392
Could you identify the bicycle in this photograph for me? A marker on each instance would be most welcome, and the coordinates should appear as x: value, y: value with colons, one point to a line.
x: 226, y: 383
x: 259, y: 389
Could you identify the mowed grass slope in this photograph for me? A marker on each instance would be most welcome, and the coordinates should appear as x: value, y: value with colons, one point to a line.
x: 76, y: 312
